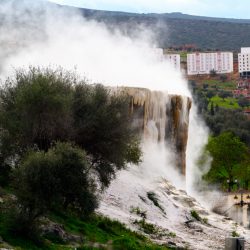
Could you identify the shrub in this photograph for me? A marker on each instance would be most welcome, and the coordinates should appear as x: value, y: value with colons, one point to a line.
x: 16, y: 222
x: 138, y: 211
x: 235, y: 234
x: 57, y: 179
x: 154, y: 199
x: 146, y: 227
x: 195, y: 215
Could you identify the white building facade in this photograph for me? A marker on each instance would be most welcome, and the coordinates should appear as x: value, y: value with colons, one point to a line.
x: 174, y: 60
x: 244, y: 62
x: 204, y: 63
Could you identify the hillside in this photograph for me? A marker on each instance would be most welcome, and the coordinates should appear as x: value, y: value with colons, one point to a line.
x: 169, y: 29
x: 175, y: 29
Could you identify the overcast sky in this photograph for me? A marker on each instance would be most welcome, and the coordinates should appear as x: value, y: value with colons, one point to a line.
x: 214, y: 8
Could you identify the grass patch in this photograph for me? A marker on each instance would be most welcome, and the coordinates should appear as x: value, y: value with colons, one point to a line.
x: 235, y: 234
x: 146, y: 227
x: 16, y: 240
x: 196, y: 216
x: 171, y: 234
x: 211, y: 81
x: 96, y: 229
x: 227, y: 85
x: 103, y: 230
x: 139, y: 212
x: 205, y: 220
x: 229, y: 102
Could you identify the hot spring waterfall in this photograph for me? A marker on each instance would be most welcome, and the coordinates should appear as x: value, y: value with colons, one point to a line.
x: 162, y: 120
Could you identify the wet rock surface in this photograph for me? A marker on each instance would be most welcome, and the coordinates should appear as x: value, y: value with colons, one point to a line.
x: 208, y: 233
x: 170, y: 114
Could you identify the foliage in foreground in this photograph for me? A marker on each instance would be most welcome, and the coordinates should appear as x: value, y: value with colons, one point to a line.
x: 102, y: 229
x: 95, y: 229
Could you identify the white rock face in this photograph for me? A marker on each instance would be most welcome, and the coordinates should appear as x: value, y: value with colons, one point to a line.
x: 129, y: 190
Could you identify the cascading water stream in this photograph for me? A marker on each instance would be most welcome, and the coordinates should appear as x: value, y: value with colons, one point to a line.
x: 163, y: 122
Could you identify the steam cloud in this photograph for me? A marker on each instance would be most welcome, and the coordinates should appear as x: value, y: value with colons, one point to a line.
x: 42, y: 34
x: 50, y: 35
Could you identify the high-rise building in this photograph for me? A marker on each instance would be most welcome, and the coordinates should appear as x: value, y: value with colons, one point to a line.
x: 205, y: 63
x: 244, y: 62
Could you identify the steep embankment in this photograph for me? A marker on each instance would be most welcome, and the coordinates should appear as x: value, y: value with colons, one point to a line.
x: 143, y: 196
x: 172, y: 216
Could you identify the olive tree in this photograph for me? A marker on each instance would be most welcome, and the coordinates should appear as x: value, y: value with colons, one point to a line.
x: 36, y: 107
x: 56, y: 179
x: 103, y: 129
x: 41, y: 106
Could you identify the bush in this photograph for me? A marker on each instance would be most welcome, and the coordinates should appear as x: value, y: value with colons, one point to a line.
x: 195, y: 215
x: 138, y: 211
x: 15, y: 223
x: 243, y: 102
x: 224, y: 94
x: 57, y: 179
x: 223, y: 78
x: 146, y: 227
x: 210, y: 93
x: 213, y: 72
x: 154, y: 199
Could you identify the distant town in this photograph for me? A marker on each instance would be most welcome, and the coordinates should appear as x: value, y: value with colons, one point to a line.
x: 222, y: 65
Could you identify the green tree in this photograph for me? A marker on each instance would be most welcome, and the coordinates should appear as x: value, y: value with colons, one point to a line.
x: 243, y: 102
x: 212, y: 109
x: 202, y: 101
x: 228, y: 154
x: 210, y: 93
x: 57, y: 179
x: 229, y: 120
x: 243, y: 172
x: 36, y: 108
x: 217, y: 107
x: 223, y: 78
x: 213, y: 72
x: 224, y: 94
x: 205, y: 86
x: 103, y: 129
x: 41, y: 106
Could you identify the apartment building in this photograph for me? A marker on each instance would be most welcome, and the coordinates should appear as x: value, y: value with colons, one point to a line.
x: 174, y: 60
x: 204, y: 63
x: 244, y: 62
